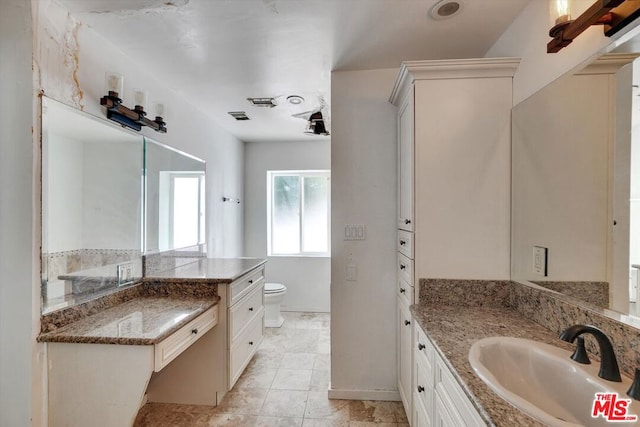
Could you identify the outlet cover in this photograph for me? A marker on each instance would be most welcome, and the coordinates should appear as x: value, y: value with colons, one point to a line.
x: 540, y: 255
x: 125, y: 273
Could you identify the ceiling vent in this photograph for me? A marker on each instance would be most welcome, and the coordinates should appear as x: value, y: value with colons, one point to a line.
x: 445, y: 9
x: 262, y: 102
x: 239, y: 115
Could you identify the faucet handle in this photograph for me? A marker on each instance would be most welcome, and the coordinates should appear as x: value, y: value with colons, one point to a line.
x: 634, y: 390
x: 580, y: 355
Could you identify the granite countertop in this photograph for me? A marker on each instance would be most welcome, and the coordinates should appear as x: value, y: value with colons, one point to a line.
x: 208, y: 270
x: 453, y: 329
x: 145, y: 320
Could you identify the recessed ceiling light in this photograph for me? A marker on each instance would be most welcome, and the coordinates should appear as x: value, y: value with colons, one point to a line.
x: 445, y: 9
x: 295, y: 99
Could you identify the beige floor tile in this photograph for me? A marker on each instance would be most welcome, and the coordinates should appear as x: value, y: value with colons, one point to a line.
x: 266, y: 359
x: 298, y: 361
x: 322, y: 362
x: 292, y: 379
x: 320, y: 380
x: 320, y: 406
x: 231, y: 420
x: 319, y: 422
x: 243, y: 401
x: 375, y: 411
x: 370, y: 424
x: 256, y: 378
x: 278, y: 422
x: 285, y: 403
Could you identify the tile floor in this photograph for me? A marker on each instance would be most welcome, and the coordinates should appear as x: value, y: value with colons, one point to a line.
x: 284, y: 385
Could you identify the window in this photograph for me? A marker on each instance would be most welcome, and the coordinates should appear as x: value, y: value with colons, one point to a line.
x: 298, y: 213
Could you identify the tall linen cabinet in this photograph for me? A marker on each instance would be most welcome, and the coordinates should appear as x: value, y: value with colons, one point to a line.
x: 454, y: 182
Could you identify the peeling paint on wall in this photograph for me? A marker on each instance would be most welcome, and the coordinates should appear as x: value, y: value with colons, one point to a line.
x: 56, y: 55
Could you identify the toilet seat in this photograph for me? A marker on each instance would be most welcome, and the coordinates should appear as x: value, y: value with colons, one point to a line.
x: 274, y: 288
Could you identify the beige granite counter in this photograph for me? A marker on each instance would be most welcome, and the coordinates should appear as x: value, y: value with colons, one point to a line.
x: 208, y: 270
x: 145, y: 320
x: 453, y: 329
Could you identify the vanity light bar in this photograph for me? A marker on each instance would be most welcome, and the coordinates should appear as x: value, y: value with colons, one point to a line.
x: 133, y: 119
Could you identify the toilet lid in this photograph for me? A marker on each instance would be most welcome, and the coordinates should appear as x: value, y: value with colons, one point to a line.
x: 274, y: 287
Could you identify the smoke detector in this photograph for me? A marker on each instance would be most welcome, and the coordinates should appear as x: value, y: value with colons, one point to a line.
x: 445, y: 9
x: 295, y: 99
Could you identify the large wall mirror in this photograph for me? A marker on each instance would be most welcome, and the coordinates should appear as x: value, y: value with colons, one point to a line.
x: 576, y: 186
x: 110, y: 196
x: 175, y: 199
x: 92, y: 206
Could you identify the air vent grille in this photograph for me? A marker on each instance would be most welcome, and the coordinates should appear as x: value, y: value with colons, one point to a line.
x: 239, y: 115
x: 262, y: 102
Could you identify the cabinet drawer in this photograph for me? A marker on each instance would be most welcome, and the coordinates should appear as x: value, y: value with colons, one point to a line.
x: 405, y: 292
x: 424, y: 348
x: 405, y: 269
x: 421, y: 416
x: 171, y: 347
x: 450, y: 390
x: 245, y: 285
x: 244, y: 347
x: 404, y: 243
x: 241, y: 314
x: 423, y: 390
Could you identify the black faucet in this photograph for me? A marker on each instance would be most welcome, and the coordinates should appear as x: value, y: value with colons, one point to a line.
x: 608, y: 364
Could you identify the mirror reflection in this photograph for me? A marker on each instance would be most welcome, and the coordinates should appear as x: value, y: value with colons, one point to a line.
x: 91, y: 206
x: 175, y: 199
x: 576, y: 185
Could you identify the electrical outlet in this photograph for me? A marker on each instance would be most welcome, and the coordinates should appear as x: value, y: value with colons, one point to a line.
x: 540, y: 255
x: 125, y: 273
x: 352, y: 272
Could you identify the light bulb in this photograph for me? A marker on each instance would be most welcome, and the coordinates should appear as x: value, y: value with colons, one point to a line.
x: 560, y: 11
x: 114, y: 83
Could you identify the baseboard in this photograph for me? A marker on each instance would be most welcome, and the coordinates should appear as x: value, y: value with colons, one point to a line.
x: 342, y: 394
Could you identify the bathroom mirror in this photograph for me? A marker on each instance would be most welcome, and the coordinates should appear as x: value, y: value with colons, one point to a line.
x: 573, y: 194
x: 175, y: 199
x: 92, y: 211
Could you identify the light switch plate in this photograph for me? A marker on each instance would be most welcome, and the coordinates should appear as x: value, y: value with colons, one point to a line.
x: 540, y: 255
x: 125, y: 273
x: 354, y: 232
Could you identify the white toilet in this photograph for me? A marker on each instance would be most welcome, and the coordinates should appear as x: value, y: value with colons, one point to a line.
x: 273, y: 296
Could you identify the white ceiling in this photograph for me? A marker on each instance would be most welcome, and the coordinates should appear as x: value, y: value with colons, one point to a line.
x: 219, y: 52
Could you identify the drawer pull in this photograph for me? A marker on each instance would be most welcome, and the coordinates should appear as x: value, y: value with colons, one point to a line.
x: 403, y: 290
x: 420, y: 389
x: 251, y: 281
x: 402, y: 266
x: 250, y: 308
x: 407, y: 221
x: 194, y: 331
x: 402, y: 243
x: 421, y: 346
x: 250, y: 342
x: 407, y: 323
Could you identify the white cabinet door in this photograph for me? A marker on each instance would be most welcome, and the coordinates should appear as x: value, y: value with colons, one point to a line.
x: 405, y: 163
x: 404, y: 355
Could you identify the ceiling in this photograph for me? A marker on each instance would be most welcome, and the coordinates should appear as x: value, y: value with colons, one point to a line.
x: 219, y: 52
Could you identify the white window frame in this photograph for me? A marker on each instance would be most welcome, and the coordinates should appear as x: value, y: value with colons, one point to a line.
x: 271, y: 175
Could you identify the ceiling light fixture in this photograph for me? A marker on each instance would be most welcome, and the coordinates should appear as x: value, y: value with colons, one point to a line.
x: 295, y: 99
x: 262, y: 102
x: 445, y: 9
x: 613, y: 14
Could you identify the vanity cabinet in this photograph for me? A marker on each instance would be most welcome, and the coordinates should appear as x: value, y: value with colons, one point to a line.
x: 438, y: 399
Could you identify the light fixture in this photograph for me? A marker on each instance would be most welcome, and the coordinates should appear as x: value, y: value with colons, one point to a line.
x: 133, y: 119
x: 613, y: 14
x: 315, y: 125
x: 445, y: 9
x: 295, y: 99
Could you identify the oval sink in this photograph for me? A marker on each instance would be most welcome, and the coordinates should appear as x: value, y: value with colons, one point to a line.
x: 542, y: 381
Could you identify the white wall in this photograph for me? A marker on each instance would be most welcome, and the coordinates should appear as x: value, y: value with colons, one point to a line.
x: 363, y: 168
x: 307, y: 278
x: 19, y: 206
x: 527, y: 38
x: 71, y: 62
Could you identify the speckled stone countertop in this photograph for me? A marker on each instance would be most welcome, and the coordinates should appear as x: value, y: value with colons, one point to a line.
x: 145, y: 320
x: 453, y: 329
x: 209, y: 270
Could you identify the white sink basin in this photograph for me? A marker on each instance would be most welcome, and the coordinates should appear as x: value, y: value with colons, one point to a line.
x: 542, y: 381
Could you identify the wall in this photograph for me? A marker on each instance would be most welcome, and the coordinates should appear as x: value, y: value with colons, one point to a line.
x: 527, y: 38
x: 363, y: 168
x: 19, y: 206
x: 307, y: 278
x: 71, y: 62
